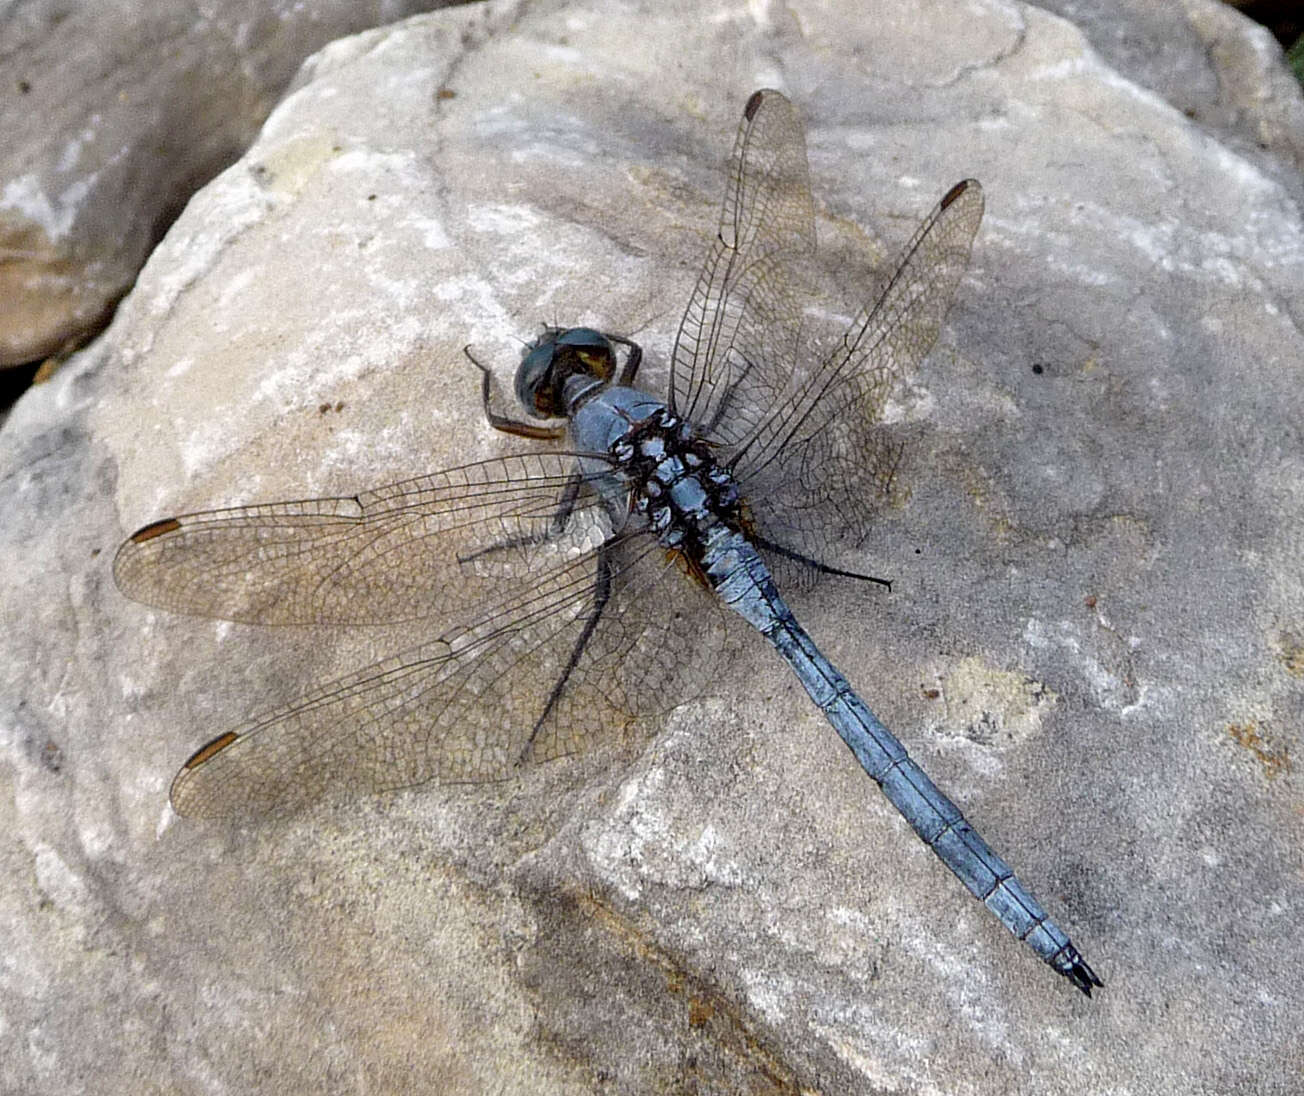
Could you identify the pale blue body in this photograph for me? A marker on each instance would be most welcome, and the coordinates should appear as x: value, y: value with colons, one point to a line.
x: 563, y: 555
x: 600, y: 418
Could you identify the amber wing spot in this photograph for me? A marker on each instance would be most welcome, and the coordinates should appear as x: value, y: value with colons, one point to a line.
x: 952, y: 194
x: 156, y: 529
x: 205, y: 752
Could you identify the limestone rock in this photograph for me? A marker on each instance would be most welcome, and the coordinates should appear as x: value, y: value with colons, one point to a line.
x: 1093, y: 639
x: 113, y: 114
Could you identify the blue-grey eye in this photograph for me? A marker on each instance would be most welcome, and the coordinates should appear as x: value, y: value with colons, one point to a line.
x: 533, y: 371
x: 584, y: 338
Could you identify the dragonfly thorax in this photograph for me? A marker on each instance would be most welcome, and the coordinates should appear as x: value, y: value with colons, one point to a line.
x: 675, y: 483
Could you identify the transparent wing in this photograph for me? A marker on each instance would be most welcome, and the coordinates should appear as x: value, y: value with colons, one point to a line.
x: 660, y: 640
x: 430, y: 546
x: 585, y: 629
x: 821, y: 460
x: 802, y: 430
x: 739, y: 337
x: 562, y: 667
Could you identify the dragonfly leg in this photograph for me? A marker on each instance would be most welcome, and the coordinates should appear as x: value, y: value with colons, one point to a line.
x: 725, y: 406
x: 556, y: 527
x: 601, y: 595
x: 503, y: 422
x: 823, y: 568
x: 634, y: 359
x: 566, y: 504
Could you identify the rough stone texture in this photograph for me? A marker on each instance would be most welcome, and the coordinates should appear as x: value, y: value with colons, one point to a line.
x: 1208, y: 62
x: 113, y: 113
x: 1095, y: 639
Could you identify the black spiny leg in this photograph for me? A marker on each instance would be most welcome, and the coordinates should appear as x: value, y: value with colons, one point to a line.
x: 556, y: 527
x: 823, y: 568
x: 722, y: 409
x: 502, y: 422
x: 601, y: 595
x: 632, y: 361
x: 566, y: 504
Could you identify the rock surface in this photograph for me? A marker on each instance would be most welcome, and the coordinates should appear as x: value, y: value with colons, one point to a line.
x: 1208, y: 62
x: 114, y: 112
x: 1094, y: 641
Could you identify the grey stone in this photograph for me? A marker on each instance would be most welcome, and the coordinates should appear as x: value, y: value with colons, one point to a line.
x: 1206, y: 60
x: 1093, y: 640
x: 114, y: 112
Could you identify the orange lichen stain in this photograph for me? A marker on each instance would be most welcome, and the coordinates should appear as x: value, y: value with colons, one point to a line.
x: 1275, y: 762
x: 699, y: 1011
x: 1292, y: 657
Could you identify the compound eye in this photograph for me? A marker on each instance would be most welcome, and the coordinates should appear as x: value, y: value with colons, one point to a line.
x: 532, y: 378
x: 584, y: 338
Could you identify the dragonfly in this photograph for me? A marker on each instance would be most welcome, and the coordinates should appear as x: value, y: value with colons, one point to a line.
x: 584, y: 590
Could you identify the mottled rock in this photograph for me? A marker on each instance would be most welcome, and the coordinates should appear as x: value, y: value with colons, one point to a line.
x: 113, y: 114
x: 1209, y: 62
x: 1093, y: 639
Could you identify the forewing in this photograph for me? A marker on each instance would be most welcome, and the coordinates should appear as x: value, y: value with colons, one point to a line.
x: 738, y: 339
x: 820, y: 462
x: 424, y: 547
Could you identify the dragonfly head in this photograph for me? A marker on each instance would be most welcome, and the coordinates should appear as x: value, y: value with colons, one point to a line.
x: 556, y: 356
